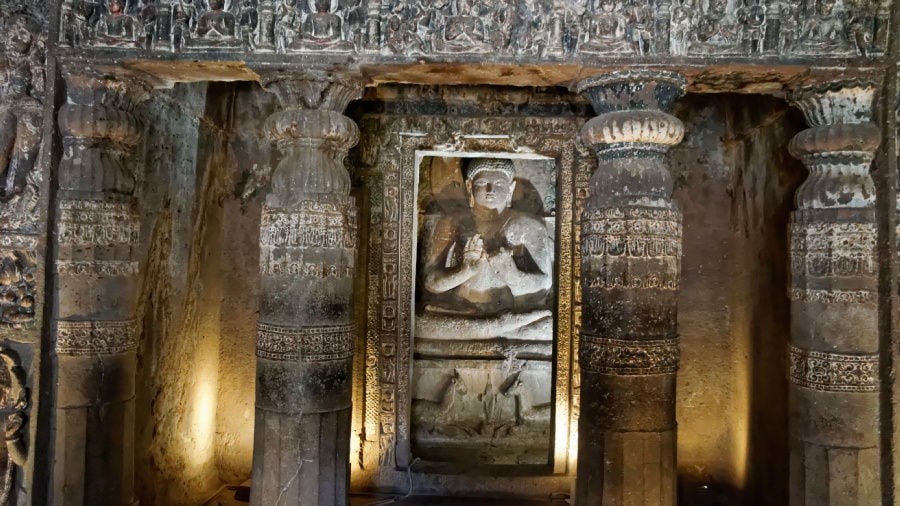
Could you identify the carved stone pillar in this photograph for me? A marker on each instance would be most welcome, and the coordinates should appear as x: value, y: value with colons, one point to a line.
x: 630, y: 270
x: 96, y: 235
x: 308, y: 239
x: 834, y: 322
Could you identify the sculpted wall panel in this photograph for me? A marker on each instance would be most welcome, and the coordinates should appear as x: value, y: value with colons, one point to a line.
x: 515, y: 29
x: 410, y: 380
x: 483, y: 335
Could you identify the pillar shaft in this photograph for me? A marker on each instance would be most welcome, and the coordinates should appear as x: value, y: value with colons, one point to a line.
x: 308, y: 240
x: 96, y: 271
x: 834, y: 323
x: 631, y: 263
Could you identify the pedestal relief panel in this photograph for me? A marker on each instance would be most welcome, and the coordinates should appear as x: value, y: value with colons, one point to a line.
x: 456, y: 363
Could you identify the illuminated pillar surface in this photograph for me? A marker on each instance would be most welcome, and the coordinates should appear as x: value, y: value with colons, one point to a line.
x: 834, y: 325
x: 96, y: 235
x: 631, y: 264
x: 308, y: 240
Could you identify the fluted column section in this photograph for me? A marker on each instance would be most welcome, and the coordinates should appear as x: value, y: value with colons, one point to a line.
x: 834, y: 322
x: 96, y: 235
x: 630, y: 271
x: 308, y: 240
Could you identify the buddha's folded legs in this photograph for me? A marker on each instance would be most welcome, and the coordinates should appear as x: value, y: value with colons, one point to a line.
x: 533, y: 325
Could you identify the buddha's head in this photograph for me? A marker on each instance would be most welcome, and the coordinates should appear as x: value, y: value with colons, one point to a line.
x: 216, y: 5
x: 825, y: 7
x: 116, y: 7
x: 323, y: 6
x: 490, y: 183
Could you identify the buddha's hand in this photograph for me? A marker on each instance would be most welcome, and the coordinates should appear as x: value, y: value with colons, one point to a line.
x: 473, y: 253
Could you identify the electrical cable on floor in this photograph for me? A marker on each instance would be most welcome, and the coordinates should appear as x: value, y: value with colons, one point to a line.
x: 409, y: 490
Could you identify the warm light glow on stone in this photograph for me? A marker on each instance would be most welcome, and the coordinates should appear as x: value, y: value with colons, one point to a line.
x: 203, y: 415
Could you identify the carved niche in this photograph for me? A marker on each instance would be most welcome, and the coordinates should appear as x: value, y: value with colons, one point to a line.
x: 483, y: 328
x: 406, y: 382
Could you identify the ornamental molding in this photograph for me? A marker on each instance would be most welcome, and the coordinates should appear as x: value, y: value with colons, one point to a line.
x: 834, y: 372
x: 631, y: 232
x: 95, y: 337
x: 842, y: 297
x: 304, y: 344
x: 311, y: 225
x: 97, y: 268
x: 96, y: 223
x: 517, y: 30
x: 628, y: 357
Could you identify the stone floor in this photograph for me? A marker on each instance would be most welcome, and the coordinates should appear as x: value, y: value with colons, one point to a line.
x: 240, y: 496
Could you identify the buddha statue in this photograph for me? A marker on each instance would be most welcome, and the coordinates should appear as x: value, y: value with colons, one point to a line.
x: 217, y: 24
x: 464, y: 32
x: 823, y: 32
x: 322, y: 30
x: 606, y: 30
x: 718, y: 31
x: 487, y: 272
x: 116, y: 28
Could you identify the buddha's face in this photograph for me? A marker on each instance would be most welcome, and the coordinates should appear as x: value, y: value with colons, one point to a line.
x: 323, y: 6
x: 491, y: 189
x: 216, y: 5
x: 826, y: 7
x: 116, y: 7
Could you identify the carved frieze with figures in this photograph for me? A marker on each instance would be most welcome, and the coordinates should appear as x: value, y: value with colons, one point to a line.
x: 516, y: 29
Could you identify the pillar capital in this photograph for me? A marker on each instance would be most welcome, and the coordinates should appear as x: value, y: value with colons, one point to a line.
x: 311, y: 132
x: 312, y: 88
x: 839, y: 146
x: 630, y: 90
x: 99, y: 128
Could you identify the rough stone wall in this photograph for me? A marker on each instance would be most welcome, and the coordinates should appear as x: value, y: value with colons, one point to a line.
x: 185, y: 156
x: 251, y: 154
x: 734, y: 182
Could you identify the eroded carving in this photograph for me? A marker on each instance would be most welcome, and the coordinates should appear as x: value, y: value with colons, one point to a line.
x: 527, y: 28
x: 14, y: 405
x: 95, y: 337
x: 21, y: 95
x: 97, y: 223
x: 18, y: 268
x: 825, y: 249
x: 305, y: 344
x: 627, y: 357
x: 97, y: 268
x: 834, y: 372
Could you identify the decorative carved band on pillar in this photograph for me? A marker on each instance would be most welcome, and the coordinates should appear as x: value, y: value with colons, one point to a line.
x: 834, y: 337
x: 631, y: 264
x: 97, y: 232
x: 308, y: 240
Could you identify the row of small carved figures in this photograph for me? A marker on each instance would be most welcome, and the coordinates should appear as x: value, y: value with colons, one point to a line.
x: 608, y: 27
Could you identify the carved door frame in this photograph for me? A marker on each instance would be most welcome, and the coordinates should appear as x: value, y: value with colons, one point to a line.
x: 393, y: 147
